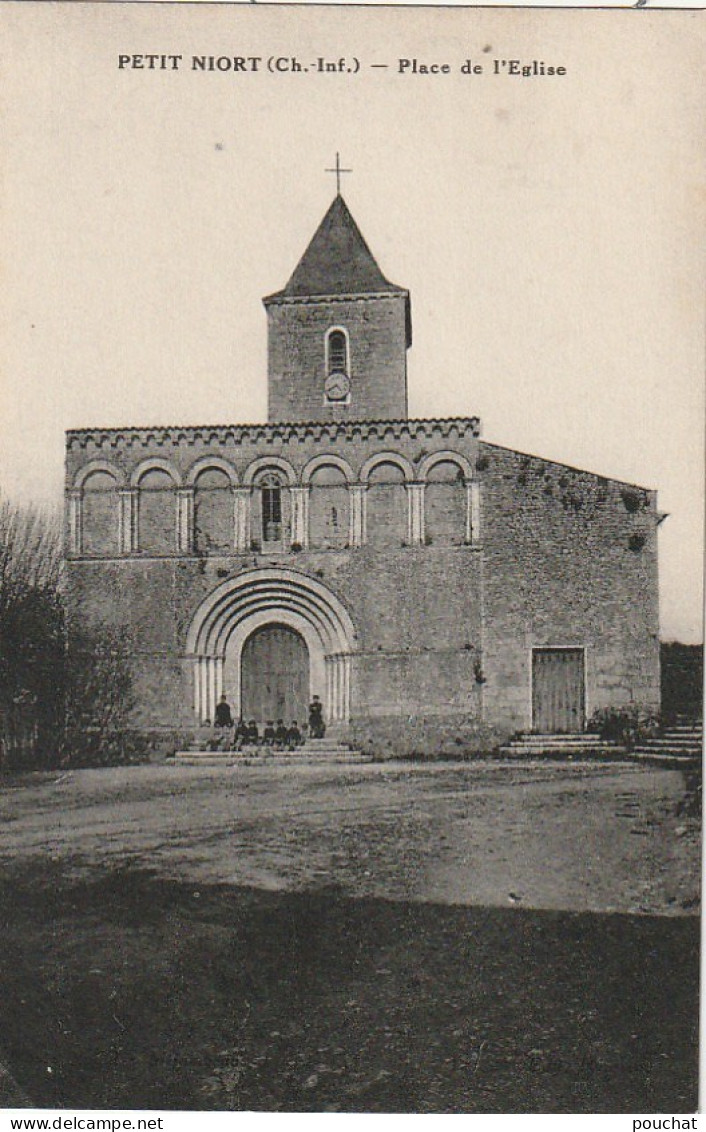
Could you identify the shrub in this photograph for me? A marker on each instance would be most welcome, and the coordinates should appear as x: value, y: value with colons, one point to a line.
x: 632, y: 500
x: 56, y: 704
x: 627, y: 726
x: 99, y: 700
x: 31, y: 637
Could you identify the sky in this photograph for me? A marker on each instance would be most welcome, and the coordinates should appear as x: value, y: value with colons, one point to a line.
x: 550, y: 228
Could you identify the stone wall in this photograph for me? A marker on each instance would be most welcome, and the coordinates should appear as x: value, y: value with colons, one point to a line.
x: 569, y: 560
x: 416, y: 609
x: 169, y: 476
x: 445, y: 627
x: 376, y: 327
x: 416, y: 614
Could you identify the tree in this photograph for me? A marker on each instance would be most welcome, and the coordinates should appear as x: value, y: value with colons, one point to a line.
x: 32, y: 660
x: 58, y: 704
x: 99, y: 699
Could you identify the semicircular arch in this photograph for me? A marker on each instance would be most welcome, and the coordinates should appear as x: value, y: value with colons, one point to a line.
x: 269, y: 588
x: 226, y: 618
x: 208, y: 463
x: 445, y: 456
x: 267, y: 463
x: 94, y: 466
x: 387, y: 458
x: 152, y: 464
x: 327, y: 460
x: 241, y: 633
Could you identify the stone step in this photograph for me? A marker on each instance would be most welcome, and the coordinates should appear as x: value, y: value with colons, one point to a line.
x: 678, y: 742
x: 258, y: 757
x: 202, y: 736
x: 544, y: 742
x: 574, y: 744
x: 265, y: 751
x: 574, y: 751
x: 665, y: 756
x: 695, y: 737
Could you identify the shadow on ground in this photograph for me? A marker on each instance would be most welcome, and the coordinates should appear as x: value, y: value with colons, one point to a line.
x: 133, y: 992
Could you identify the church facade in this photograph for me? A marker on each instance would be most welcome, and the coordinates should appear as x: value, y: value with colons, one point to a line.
x: 438, y: 592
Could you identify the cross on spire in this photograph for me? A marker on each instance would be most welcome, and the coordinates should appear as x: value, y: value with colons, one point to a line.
x: 338, y: 171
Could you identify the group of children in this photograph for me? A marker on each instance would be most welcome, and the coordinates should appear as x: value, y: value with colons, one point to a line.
x: 230, y: 736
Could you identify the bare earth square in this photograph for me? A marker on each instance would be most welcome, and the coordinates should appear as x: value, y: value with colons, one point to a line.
x: 478, y: 937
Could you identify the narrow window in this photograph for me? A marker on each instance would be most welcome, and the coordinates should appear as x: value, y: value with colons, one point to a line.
x: 271, y: 509
x: 337, y: 386
x: 337, y: 352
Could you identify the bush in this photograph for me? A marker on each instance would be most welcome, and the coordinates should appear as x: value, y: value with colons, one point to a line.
x: 99, y: 700
x: 96, y: 747
x: 632, y: 500
x: 628, y: 726
x: 31, y: 637
x: 56, y: 705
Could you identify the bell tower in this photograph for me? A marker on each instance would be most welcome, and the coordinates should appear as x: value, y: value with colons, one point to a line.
x: 338, y: 333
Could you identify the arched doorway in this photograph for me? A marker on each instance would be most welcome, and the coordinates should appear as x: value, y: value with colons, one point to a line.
x: 274, y: 675
x: 275, y: 598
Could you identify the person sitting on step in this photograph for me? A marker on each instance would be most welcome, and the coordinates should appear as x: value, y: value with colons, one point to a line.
x: 294, y: 736
x: 240, y: 735
x: 280, y: 735
x: 268, y: 737
x: 253, y: 734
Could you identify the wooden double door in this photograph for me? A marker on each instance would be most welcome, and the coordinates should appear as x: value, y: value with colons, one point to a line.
x: 558, y: 690
x: 274, y: 676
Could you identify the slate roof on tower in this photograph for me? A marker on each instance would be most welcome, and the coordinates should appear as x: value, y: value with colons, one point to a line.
x: 337, y: 261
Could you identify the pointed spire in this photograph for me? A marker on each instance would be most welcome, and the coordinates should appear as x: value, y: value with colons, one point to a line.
x: 337, y: 261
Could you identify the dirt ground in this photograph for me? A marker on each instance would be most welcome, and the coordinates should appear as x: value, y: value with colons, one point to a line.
x: 476, y: 937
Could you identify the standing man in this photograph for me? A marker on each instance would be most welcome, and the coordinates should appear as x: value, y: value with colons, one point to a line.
x: 317, y: 727
x: 223, y: 717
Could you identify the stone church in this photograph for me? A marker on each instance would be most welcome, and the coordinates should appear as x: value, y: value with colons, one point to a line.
x: 437, y: 591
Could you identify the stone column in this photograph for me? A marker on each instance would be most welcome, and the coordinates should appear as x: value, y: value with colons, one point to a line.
x: 196, y: 666
x: 472, y: 511
x: 330, y: 704
x: 347, y: 660
x: 299, y: 497
x: 338, y: 680
x: 241, y: 518
x: 185, y: 519
x: 75, y: 505
x: 344, y: 706
x: 218, y: 673
x: 338, y: 686
x: 205, y: 686
x: 357, y: 525
x: 128, y: 503
x: 415, y: 514
x: 210, y: 687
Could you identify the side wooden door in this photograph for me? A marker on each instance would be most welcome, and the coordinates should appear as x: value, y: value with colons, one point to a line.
x: 558, y: 690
